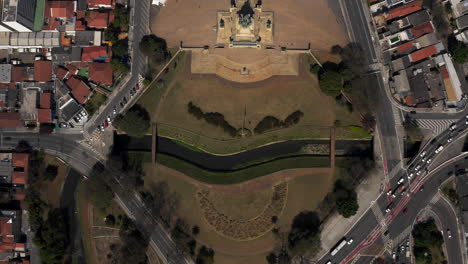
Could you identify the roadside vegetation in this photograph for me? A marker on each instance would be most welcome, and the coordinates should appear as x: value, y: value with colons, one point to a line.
x: 93, y: 104
x: 117, y: 34
x: 136, y: 122
x: 49, y: 223
x: 449, y: 189
x: 428, y: 242
x: 155, y: 48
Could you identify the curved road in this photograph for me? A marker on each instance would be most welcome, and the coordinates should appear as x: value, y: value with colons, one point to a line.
x: 83, y: 160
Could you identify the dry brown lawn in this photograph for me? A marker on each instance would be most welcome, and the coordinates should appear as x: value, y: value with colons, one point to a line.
x: 296, y: 23
x: 51, y: 191
x: 278, y: 96
x: 304, y: 193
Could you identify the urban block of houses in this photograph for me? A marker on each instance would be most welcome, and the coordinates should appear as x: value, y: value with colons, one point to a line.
x: 422, y: 75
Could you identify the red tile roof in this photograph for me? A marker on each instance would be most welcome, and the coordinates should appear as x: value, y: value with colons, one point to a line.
x: 6, y: 226
x: 101, y: 73
x: 404, y: 10
x: 444, y: 72
x: 422, y: 29
x: 60, y: 9
x: 20, y: 160
x: 409, y: 100
x: 43, y: 71
x: 10, y: 119
x: 91, y: 53
x: 99, y: 3
x: 61, y: 73
x: 405, y: 47
x: 97, y: 20
x: 423, y: 53
x: 72, y: 68
x: 44, y: 116
x: 19, y: 74
x: 79, y: 89
x: 46, y: 99
x: 19, y: 177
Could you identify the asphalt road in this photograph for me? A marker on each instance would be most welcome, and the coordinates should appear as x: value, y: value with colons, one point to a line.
x: 449, y: 221
x: 141, y: 16
x: 83, y: 159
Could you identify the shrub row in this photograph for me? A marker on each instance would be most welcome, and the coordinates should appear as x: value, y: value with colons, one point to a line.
x: 212, y: 118
x: 271, y: 122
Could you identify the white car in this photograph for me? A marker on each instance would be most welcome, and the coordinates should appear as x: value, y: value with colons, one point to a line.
x: 418, y: 173
x: 466, y: 122
x: 450, y: 139
x: 439, y: 149
x: 428, y: 161
x: 350, y: 241
x: 466, y: 116
x: 453, y: 126
x: 417, y: 168
x: 400, y: 181
x: 410, y: 176
x: 449, y: 233
x: 389, y: 192
x: 423, y: 154
x: 423, y: 160
x: 114, y: 111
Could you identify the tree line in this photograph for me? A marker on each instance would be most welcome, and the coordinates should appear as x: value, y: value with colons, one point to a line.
x: 271, y: 122
x: 213, y: 118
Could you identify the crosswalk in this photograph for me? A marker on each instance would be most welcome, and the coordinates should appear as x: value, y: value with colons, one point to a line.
x: 396, y: 115
x: 437, y: 125
x: 378, y: 215
x: 436, y: 198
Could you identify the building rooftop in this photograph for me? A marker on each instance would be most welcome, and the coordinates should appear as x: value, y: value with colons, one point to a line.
x: 43, y: 71
x: 96, y: 4
x: 69, y: 109
x: 60, y: 9
x: 419, y: 18
x: 5, y: 73
x: 100, y: 73
x: 10, y: 119
x: 79, y: 89
x: 20, y: 74
x: 404, y: 10
x: 44, y: 116
x: 462, y: 22
x: 422, y: 29
x: 97, y: 19
x: 426, y: 40
x: 92, y: 53
x: 405, y: 47
x: 45, y: 101
x: 423, y: 53
x: 61, y: 73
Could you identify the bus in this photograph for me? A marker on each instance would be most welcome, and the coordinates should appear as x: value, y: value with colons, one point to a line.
x: 338, y: 247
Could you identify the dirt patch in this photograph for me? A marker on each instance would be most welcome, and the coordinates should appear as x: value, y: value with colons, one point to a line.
x: 296, y: 23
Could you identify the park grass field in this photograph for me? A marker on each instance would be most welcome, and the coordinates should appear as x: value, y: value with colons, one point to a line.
x: 304, y: 193
x: 243, y: 106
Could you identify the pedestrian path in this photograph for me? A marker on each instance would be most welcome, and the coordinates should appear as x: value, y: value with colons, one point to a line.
x: 436, y: 198
x: 378, y: 214
x: 402, y: 236
x: 437, y: 125
x: 396, y: 115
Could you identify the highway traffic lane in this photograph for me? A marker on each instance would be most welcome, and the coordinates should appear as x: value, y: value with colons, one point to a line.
x: 360, y: 30
x: 449, y: 221
x: 358, y: 233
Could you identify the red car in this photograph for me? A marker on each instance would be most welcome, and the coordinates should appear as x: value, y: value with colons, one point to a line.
x: 405, y: 210
x: 106, y: 123
x: 137, y: 86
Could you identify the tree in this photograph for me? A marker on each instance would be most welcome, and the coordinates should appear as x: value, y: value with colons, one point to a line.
x: 134, y: 245
x: 272, y: 258
x: 195, y: 230
x: 50, y: 172
x: 100, y: 194
x: 315, y: 68
x: 135, y: 122
x: 368, y: 122
x: 305, y: 235
x: 52, y: 237
x: 153, y: 46
x: 205, y: 256
x: 347, y: 207
x: 460, y: 54
x: 120, y: 48
x: 331, y: 83
x: 110, y: 220
x: 336, y: 49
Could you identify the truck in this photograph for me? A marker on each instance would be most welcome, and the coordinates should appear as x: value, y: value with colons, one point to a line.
x: 339, y: 247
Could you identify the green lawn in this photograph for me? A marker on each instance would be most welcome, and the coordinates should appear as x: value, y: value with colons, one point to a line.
x: 237, y: 176
x: 93, y: 103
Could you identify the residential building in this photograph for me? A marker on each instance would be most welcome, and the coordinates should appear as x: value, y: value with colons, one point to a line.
x: 462, y: 22
x: 94, y: 53
x: 100, y: 73
x: 97, y: 19
x: 10, y: 119
x: 23, y: 15
x: 79, y: 90
x: 43, y: 71
x: 5, y: 73
x: 404, y: 10
x: 98, y: 4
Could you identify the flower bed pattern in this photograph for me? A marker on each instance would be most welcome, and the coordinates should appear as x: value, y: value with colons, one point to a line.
x: 244, y: 229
